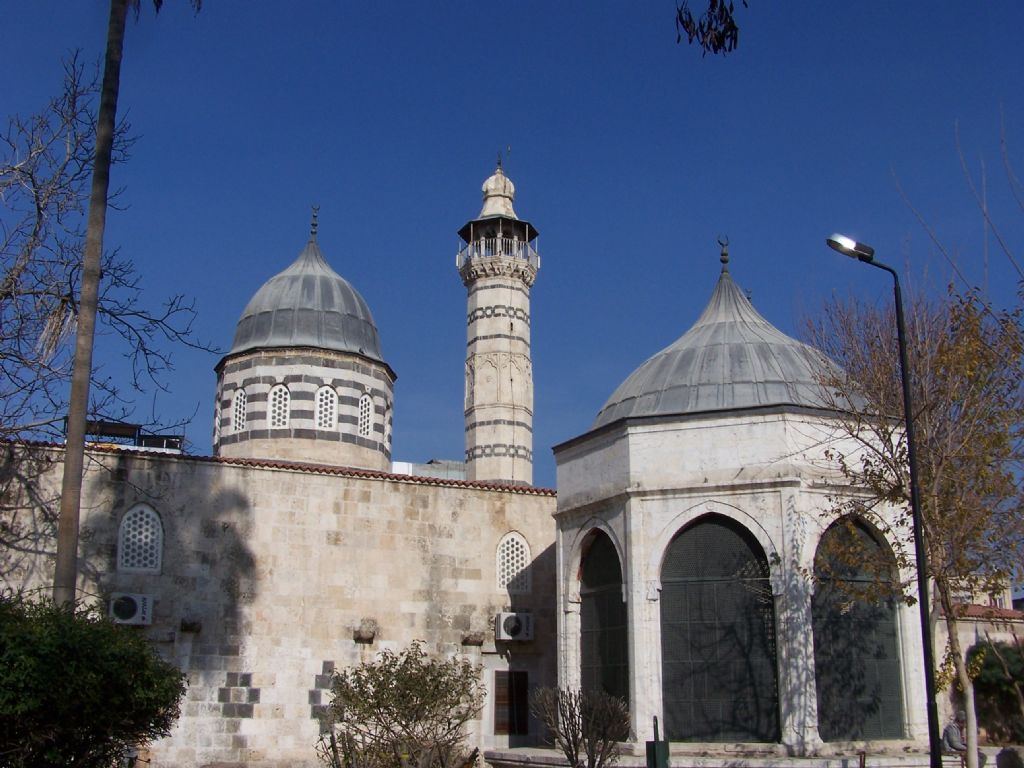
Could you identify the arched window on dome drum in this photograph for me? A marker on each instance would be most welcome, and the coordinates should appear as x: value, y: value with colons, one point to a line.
x: 326, y: 408
x: 719, y: 680
x: 238, y: 411
x: 856, y: 648
x: 365, y: 415
x: 513, y: 564
x: 278, y: 403
x: 604, y: 649
x: 140, y: 541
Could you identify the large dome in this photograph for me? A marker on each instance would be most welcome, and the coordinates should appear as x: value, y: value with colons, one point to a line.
x: 308, y: 305
x: 732, y: 358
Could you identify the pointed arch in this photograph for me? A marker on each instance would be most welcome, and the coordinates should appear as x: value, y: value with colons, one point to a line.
x: 718, y: 650
x: 856, y: 643
x: 604, y: 642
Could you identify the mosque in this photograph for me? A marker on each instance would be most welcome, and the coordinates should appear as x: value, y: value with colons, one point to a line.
x: 670, y: 568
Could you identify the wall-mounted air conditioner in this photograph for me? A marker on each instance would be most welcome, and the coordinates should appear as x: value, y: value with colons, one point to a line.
x: 131, y: 609
x: 513, y: 626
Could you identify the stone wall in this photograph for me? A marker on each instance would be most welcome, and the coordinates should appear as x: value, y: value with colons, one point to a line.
x: 273, y: 575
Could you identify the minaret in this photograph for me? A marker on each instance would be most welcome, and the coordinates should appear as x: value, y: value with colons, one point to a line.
x: 498, y: 264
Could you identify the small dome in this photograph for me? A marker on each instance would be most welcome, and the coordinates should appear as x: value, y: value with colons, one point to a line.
x: 731, y: 358
x: 308, y: 305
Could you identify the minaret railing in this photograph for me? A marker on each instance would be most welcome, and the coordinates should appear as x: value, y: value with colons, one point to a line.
x: 498, y: 247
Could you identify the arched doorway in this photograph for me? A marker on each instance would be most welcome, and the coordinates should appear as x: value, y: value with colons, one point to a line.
x: 719, y: 680
x: 604, y: 652
x: 856, y: 649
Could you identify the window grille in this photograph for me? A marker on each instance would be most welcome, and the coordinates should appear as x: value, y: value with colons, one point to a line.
x: 239, y: 410
x: 365, y: 415
x: 719, y: 680
x: 856, y: 648
x: 140, y: 541
x: 326, y: 408
x: 604, y: 650
x: 513, y: 564
x: 279, y: 407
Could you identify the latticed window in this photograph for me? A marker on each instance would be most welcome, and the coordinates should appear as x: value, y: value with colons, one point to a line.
x: 365, y: 415
x: 513, y: 562
x: 856, y: 644
x: 140, y: 541
x: 604, y: 649
x: 326, y: 408
x: 718, y: 636
x: 279, y: 406
x: 238, y: 412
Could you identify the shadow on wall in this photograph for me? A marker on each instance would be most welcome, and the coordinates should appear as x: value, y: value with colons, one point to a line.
x: 536, y: 659
x: 204, y: 577
x: 29, y: 506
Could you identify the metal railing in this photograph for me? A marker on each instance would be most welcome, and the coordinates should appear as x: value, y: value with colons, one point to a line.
x: 498, y: 247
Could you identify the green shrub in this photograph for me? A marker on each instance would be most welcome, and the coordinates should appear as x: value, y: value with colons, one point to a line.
x: 998, y: 690
x: 404, y: 710
x: 77, y: 689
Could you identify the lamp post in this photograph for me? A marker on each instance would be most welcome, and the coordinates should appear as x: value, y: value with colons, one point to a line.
x: 865, y: 253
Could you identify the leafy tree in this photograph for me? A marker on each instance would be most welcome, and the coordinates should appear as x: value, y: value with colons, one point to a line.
x: 404, y: 709
x: 999, y: 689
x: 77, y: 689
x: 967, y: 361
x: 588, y: 723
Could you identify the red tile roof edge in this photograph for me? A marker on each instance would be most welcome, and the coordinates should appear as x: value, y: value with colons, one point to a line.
x: 974, y: 611
x: 320, y: 469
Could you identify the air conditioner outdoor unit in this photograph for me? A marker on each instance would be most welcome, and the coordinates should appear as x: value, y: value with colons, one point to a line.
x: 131, y: 609
x: 513, y: 626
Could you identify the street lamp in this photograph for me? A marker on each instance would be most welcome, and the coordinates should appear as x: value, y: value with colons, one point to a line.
x: 865, y: 253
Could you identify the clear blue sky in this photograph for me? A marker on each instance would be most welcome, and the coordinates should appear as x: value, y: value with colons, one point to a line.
x: 631, y: 155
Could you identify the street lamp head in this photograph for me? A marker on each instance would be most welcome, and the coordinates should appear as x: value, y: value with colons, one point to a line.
x: 850, y: 247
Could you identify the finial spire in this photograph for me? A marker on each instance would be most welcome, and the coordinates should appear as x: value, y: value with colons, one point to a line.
x: 724, y: 256
x: 313, y: 223
x: 499, y: 158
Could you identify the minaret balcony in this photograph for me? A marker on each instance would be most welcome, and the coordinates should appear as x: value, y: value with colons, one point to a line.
x: 498, y: 248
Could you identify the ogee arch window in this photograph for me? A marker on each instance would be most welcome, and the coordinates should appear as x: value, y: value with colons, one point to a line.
x: 604, y: 649
x: 513, y: 564
x: 719, y: 680
x: 856, y: 648
x: 140, y: 541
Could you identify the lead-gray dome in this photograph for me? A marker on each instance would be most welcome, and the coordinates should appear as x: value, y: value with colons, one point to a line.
x: 731, y: 358
x: 308, y: 305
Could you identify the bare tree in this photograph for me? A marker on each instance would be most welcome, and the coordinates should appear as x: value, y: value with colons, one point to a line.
x: 45, y: 161
x: 51, y: 282
x: 582, y: 724
x: 967, y: 365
